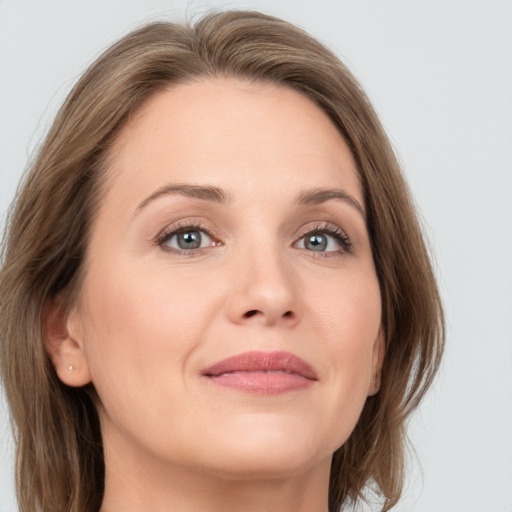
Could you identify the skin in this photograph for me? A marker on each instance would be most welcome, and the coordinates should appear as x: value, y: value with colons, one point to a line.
x: 151, y: 316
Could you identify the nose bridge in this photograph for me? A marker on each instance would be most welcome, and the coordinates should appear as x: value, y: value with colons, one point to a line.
x: 263, y: 285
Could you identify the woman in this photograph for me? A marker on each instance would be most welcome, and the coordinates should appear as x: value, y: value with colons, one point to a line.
x: 215, y: 292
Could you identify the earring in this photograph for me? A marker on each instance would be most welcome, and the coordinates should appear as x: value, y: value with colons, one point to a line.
x: 70, y: 368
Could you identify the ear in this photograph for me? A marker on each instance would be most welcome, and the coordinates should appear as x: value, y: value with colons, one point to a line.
x: 379, y: 349
x: 63, y: 344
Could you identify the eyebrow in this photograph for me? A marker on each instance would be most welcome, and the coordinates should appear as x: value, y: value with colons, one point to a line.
x: 205, y: 192
x: 321, y: 195
x: 218, y: 195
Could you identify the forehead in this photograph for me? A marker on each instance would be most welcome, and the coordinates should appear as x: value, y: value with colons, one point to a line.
x: 233, y: 134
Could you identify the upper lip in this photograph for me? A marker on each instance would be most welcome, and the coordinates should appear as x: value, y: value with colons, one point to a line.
x: 255, y: 361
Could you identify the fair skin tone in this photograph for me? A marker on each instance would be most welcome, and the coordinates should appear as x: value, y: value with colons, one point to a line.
x: 216, y: 237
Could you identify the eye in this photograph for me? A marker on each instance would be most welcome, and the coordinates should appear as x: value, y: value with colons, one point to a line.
x: 326, y: 239
x: 185, y: 239
x: 193, y: 239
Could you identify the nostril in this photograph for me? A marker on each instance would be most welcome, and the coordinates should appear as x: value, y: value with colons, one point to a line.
x: 255, y: 312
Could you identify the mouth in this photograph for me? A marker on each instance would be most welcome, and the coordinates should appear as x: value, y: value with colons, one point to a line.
x: 262, y: 372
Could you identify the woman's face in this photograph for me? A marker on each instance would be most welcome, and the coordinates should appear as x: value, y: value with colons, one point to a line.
x: 230, y: 314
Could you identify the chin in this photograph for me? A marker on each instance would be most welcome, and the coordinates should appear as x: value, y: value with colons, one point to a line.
x: 263, y: 454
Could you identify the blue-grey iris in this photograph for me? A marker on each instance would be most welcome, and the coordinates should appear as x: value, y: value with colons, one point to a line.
x: 189, y: 240
x: 316, y: 242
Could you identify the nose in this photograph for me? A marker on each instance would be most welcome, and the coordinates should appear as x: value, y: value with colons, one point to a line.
x: 264, y: 291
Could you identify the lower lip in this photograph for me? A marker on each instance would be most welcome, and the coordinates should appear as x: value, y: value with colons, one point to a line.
x: 267, y: 383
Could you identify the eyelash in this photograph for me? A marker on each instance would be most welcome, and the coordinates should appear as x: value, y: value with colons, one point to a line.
x: 324, y: 228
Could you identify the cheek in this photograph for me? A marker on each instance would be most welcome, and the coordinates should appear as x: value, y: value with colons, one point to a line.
x: 134, y: 321
x: 348, y: 319
x: 347, y: 310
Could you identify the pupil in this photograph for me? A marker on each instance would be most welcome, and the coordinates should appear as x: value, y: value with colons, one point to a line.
x: 189, y: 240
x: 316, y: 242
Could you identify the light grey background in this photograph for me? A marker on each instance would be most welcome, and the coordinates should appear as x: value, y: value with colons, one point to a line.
x: 440, y: 75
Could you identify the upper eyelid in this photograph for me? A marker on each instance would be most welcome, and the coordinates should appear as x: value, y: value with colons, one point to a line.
x: 327, y: 226
x: 320, y: 227
x: 184, y: 225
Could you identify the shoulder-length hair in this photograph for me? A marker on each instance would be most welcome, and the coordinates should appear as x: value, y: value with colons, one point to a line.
x: 59, y: 464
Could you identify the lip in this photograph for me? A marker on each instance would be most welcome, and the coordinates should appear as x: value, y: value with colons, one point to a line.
x: 262, y: 372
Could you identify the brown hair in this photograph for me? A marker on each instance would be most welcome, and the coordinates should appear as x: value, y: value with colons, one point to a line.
x: 59, y: 449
